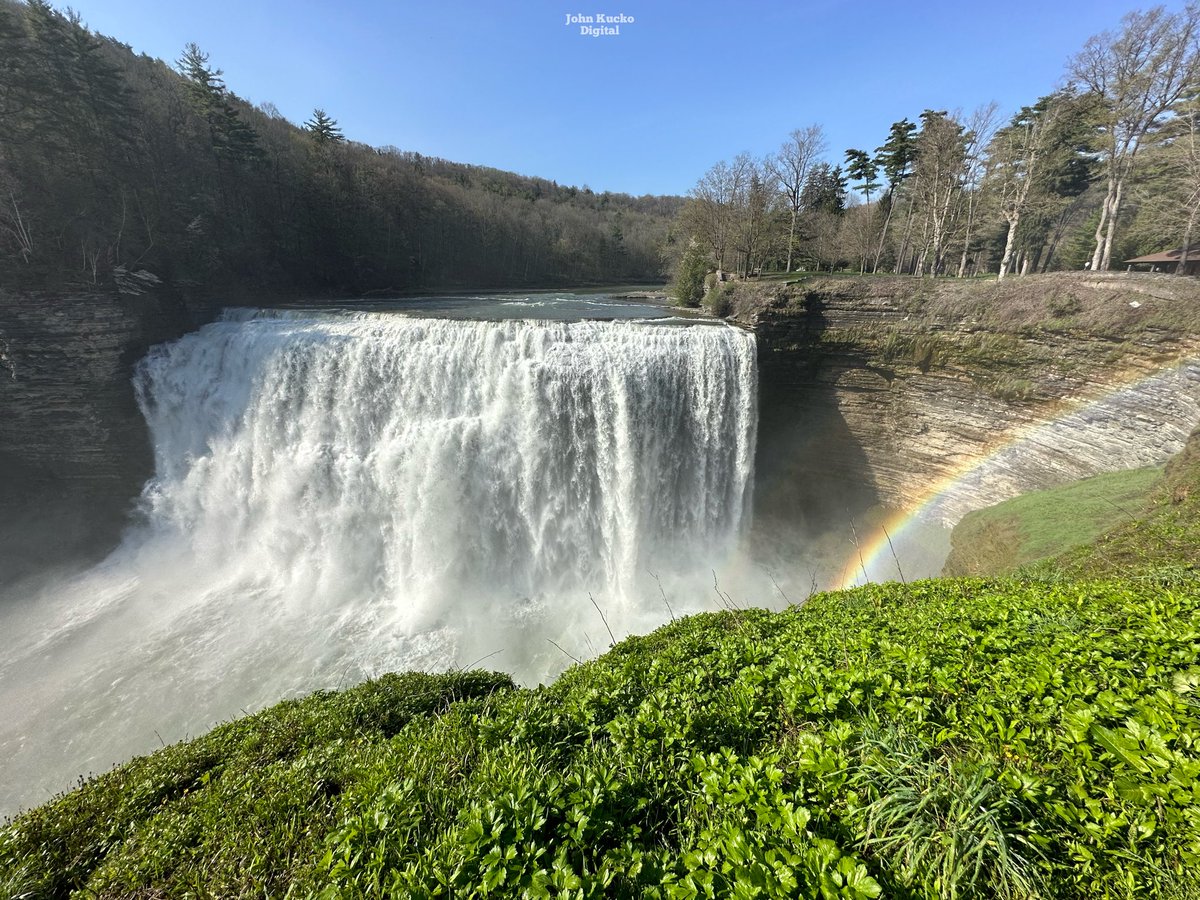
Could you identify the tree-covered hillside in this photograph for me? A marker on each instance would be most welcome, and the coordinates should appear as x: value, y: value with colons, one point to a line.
x: 115, y: 168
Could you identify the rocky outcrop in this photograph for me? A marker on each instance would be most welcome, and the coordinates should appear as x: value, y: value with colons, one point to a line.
x: 73, y: 445
x: 948, y: 396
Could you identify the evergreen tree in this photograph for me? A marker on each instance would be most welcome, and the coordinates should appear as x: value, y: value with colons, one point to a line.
x: 862, y: 168
x: 323, y: 129
x: 824, y: 190
x: 896, y: 156
x: 231, y: 136
x: 694, y: 266
x: 895, y: 159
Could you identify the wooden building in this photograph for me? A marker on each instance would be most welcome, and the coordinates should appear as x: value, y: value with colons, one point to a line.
x: 1168, y: 261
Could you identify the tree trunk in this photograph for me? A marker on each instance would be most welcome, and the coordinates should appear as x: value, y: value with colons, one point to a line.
x: 1115, y: 211
x: 962, y: 263
x: 1009, y: 243
x: 1098, y: 253
x: 883, y: 234
x: 791, y: 240
x: 1181, y: 267
x: 1037, y: 258
x: 902, y: 256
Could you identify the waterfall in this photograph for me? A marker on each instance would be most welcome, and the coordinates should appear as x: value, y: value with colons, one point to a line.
x: 338, y: 495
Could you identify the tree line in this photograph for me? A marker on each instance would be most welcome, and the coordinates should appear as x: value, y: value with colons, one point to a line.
x: 1103, y: 169
x: 118, y: 170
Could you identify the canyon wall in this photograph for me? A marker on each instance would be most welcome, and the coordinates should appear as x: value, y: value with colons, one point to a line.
x: 948, y: 396
x: 876, y: 391
x: 73, y: 445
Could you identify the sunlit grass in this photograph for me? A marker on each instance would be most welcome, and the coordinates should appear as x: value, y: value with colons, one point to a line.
x: 1047, y: 523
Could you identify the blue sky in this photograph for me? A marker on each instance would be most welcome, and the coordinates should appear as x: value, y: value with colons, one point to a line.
x: 648, y: 111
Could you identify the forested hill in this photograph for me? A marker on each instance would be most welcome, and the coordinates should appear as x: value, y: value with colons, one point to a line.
x: 117, y: 169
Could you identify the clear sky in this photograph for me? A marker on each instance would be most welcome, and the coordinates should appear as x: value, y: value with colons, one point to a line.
x: 511, y: 85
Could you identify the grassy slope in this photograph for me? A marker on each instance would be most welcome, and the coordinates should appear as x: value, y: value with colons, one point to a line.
x: 1154, y: 526
x: 1165, y: 538
x: 1047, y: 523
x: 940, y: 739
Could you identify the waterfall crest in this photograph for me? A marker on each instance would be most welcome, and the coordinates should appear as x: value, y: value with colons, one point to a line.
x: 424, y: 459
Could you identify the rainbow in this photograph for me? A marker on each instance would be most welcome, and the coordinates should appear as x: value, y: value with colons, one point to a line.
x: 873, y: 556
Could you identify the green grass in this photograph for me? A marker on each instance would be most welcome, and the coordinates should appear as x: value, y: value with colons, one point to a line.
x: 236, y: 812
x: 1160, y: 541
x: 1048, y: 523
x: 944, y: 739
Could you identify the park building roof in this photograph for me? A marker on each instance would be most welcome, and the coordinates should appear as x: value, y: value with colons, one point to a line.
x: 1168, y: 260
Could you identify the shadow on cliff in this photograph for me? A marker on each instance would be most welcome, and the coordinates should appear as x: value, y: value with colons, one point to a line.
x: 74, y: 448
x: 813, y: 484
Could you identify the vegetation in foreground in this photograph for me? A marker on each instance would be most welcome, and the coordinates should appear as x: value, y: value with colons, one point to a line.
x: 969, y: 738
x: 1021, y: 737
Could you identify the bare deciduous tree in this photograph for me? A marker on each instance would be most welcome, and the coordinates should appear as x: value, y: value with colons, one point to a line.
x: 937, y: 183
x: 790, y: 168
x: 752, y: 210
x: 981, y: 126
x: 13, y: 222
x: 1016, y: 161
x: 856, y: 233
x: 712, y: 210
x: 1139, y: 74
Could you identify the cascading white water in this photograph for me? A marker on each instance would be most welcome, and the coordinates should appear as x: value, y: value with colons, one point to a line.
x: 340, y: 495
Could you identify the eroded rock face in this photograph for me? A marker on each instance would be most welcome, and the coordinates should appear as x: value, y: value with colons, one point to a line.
x: 898, y: 392
x: 73, y: 446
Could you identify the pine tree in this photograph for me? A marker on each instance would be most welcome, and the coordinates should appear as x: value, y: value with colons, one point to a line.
x: 324, y: 130
x: 231, y: 136
x: 862, y: 168
x: 689, y: 277
x: 895, y: 158
x: 824, y: 190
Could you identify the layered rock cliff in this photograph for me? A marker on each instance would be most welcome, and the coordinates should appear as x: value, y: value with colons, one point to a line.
x: 73, y: 446
x: 948, y: 396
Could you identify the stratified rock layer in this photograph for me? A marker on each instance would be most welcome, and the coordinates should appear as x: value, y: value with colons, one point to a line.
x: 947, y: 396
x: 73, y: 446
x: 882, y: 390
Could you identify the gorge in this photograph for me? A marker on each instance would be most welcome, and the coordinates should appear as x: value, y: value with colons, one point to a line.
x: 289, y: 554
